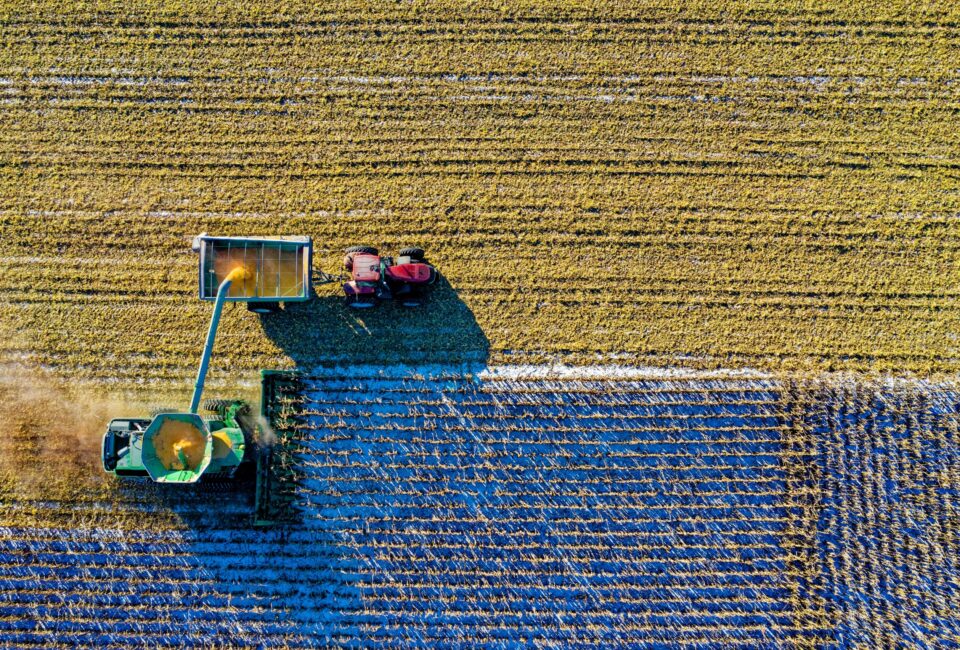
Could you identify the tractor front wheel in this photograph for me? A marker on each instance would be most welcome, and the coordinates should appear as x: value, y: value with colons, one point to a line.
x: 361, y: 301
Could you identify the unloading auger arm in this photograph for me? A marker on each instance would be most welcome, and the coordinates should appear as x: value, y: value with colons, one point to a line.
x: 238, y: 273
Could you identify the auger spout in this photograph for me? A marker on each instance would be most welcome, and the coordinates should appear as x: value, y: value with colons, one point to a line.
x: 239, y: 273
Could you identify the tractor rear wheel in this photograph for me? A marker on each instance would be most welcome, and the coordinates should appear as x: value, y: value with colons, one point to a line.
x: 414, y: 253
x: 362, y: 301
x: 348, y: 260
x: 369, y: 250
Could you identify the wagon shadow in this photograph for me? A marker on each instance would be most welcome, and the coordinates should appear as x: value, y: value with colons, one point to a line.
x: 324, y: 331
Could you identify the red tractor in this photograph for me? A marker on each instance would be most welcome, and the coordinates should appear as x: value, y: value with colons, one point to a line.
x: 374, y: 278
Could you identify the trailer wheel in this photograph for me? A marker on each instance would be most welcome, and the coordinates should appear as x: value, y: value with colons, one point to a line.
x: 263, y: 307
x: 414, y: 253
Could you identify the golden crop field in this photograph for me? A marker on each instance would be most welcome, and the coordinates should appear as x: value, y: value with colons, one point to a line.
x: 735, y: 184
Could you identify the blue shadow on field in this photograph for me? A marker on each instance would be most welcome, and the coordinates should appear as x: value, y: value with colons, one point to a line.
x: 325, y: 331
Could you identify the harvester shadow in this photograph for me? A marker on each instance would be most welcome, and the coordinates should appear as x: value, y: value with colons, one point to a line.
x: 324, y: 331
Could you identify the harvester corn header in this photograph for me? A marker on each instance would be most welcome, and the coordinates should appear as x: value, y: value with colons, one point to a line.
x: 183, y: 447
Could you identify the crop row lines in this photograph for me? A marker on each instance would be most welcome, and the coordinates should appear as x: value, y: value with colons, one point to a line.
x: 505, y: 425
x: 733, y: 564
x: 447, y: 576
x: 203, y: 557
x: 330, y: 441
x: 932, y: 311
x: 468, y: 35
x: 510, y: 150
x: 639, y: 18
x: 92, y: 598
x: 485, y: 635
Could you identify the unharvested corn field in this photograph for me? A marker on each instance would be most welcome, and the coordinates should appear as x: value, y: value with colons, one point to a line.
x: 688, y: 380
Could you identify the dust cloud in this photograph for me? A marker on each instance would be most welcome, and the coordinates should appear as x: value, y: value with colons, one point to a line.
x: 263, y: 432
x: 50, y: 433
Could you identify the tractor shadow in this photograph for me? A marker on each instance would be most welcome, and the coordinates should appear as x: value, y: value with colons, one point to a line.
x: 326, y: 332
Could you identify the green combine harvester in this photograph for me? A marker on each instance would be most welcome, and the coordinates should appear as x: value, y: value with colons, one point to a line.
x: 229, y: 444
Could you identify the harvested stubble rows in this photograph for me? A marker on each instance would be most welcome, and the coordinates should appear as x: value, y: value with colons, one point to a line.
x: 731, y: 182
x: 438, y: 508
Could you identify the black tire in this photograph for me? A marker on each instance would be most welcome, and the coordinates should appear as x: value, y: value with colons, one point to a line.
x: 369, y: 250
x: 263, y: 307
x: 214, y: 405
x: 218, y: 484
x: 361, y: 302
x: 413, y: 253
